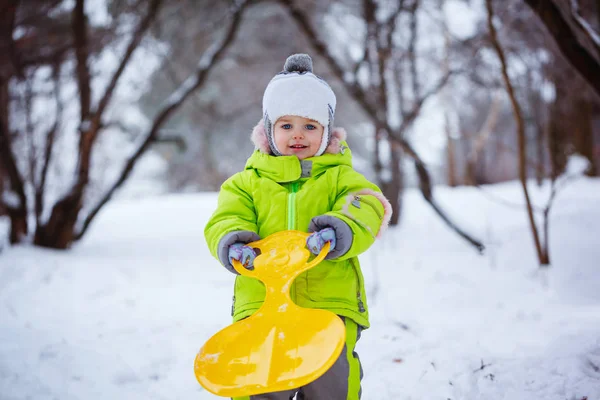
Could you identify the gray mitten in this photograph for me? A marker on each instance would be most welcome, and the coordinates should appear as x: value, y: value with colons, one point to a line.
x: 343, y: 235
x: 241, y: 237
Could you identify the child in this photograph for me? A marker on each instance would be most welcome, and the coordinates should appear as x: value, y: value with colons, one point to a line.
x: 301, y: 178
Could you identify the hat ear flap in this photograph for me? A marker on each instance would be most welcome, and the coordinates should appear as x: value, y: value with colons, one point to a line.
x: 326, y: 140
x: 259, y: 137
x: 269, y: 133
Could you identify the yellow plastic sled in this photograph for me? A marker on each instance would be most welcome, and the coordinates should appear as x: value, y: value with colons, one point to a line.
x: 281, y: 346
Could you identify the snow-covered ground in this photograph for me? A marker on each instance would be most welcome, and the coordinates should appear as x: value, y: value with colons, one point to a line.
x: 123, y: 314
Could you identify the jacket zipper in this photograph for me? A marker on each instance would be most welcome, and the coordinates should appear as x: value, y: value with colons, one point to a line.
x: 291, y: 214
x: 361, y: 305
x: 291, y: 223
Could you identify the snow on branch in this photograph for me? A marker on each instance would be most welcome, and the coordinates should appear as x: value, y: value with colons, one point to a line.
x: 10, y: 199
x: 183, y: 90
x: 207, y: 61
x: 584, y: 25
x: 133, y: 44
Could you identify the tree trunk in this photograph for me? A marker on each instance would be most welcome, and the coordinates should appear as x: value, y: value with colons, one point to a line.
x: 542, y: 252
x: 59, y: 231
x: 557, y: 137
x: 540, y: 132
x: 18, y: 225
x: 9, y: 174
x: 536, y: 106
x: 56, y: 235
x: 394, y: 188
x: 476, y: 159
x: 450, y: 153
x: 583, y: 134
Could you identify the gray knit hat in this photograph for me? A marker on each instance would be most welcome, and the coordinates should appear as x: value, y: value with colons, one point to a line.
x: 297, y: 91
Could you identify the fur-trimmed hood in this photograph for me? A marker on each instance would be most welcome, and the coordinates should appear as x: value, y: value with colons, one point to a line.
x: 261, y: 142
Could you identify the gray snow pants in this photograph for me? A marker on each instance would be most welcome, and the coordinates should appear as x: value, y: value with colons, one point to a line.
x: 340, y: 382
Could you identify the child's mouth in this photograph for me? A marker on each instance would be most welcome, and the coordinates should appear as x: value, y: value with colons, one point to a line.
x: 298, y: 146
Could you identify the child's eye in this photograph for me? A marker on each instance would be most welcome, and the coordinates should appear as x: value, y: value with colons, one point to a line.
x: 286, y: 126
x: 310, y: 127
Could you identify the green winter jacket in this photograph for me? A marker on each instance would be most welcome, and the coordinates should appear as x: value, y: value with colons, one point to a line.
x: 281, y: 193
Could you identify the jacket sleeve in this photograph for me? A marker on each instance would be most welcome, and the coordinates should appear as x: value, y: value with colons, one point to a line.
x: 235, y: 217
x: 361, y: 205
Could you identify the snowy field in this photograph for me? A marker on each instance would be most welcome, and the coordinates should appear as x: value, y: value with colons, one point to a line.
x: 122, y: 315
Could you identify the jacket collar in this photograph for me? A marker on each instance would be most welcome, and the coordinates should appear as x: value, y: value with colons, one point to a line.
x: 289, y: 168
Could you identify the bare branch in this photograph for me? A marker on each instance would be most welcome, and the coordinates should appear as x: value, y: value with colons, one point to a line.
x: 391, y: 22
x: 592, y: 36
x: 50, y: 137
x: 321, y: 48
x: 555, y: 188
x: 59, y: 230
x: 409, y: 117
x: 379, y: 54
x: 131, y: 47
x: 504, y: 202
x: 129, y: 132
x: 542, y: 256
x: 176, y: 140
x: 567, y: 39
x: 90, y: 129
x: 412, y: 56
x: 29, y: 128
x: 360, y: 97
x: 208, y: 60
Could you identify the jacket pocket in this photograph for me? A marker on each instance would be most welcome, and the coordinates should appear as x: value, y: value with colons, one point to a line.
x: 332, y: 282
x: 361, y: 199
x: 360, y: 285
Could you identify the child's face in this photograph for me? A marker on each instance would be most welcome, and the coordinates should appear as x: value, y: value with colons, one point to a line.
x: 297, y: 136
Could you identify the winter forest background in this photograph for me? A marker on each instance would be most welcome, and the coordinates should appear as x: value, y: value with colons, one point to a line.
x: 105, y: 103
x: 155, y: 96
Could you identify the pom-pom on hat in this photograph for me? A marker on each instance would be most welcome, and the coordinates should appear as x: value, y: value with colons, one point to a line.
x: 297, y: 91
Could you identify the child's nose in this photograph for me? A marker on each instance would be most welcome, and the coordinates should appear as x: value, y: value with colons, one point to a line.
x: 298, y: 134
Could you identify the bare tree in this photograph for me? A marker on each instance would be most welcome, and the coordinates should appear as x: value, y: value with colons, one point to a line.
x: 579, y: 43
x: 66, y: 223
x: 378, y: 50
x: 542, y: 251
x: 377, y: 111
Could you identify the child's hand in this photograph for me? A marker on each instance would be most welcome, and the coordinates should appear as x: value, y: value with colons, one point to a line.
x: 242, y: 253
x: 317, y: 240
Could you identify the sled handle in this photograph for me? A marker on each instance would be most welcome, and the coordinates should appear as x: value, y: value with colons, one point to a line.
x: 283, y: 241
